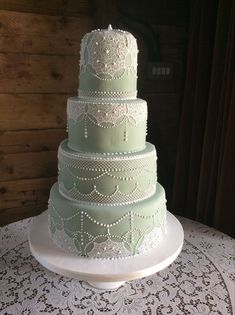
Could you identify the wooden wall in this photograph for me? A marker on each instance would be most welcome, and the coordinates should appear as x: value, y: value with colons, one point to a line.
x: 39, y: 63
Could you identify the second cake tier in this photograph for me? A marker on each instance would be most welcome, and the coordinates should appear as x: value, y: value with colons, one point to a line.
x: 100, y: 125
x: 107, y: 179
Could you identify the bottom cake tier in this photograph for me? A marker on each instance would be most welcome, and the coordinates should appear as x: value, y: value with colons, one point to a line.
x: 107, y: 232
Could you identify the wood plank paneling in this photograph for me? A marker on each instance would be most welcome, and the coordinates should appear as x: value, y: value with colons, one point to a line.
x: 56, y: 7
x: 28, y: 165
x: 23, y: 73
x: 26, y: 192
x: 41, y: 34
x: 39, y: 67
x: 32, y: 111
x: 30, y: 140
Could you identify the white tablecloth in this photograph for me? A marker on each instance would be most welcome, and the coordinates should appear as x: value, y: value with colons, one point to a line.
x: 200, y: 281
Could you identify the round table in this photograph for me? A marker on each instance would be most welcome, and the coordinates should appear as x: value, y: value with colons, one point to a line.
x: 200, y: 281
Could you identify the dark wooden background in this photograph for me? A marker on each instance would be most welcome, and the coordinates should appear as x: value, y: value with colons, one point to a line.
x: 39, y: 64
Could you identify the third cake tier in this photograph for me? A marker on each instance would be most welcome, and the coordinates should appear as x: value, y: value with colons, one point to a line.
x: 107, y: 179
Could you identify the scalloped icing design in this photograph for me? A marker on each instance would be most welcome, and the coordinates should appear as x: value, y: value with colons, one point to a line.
x: 100, y: 174
x: 115, y: 198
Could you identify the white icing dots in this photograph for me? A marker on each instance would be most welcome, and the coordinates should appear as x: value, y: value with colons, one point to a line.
x: 108, y: 116
x: 112, y: 245
x: 107, y: 94
x: 109, y: 46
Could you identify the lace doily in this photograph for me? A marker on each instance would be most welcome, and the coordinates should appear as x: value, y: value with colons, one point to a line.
x: 200, y: 282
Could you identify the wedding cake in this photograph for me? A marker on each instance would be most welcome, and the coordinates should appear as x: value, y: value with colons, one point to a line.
x: 107, y: 202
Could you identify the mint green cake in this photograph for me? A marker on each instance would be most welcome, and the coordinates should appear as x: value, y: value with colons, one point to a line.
x: 107, y: 203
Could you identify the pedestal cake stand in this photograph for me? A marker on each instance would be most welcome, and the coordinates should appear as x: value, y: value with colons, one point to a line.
x: 104, y: 274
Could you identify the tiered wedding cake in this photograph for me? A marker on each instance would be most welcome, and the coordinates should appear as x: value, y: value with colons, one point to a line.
x: 107, y: 202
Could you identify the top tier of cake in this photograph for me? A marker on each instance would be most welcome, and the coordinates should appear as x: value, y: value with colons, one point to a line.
x: 108, y: 64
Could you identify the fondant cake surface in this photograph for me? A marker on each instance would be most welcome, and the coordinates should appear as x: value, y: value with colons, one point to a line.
x: 107, y: 203
x: 109, y: 179
x: 107, y: 232
x: 108, y: 65
x: 106, y: 125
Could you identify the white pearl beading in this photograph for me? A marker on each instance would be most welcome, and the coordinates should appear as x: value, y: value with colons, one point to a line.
x: 108, y: 165
x: 112, y: 166
x: 108, y: 54
x: 110, y: 95
x: 106, y: 173
x: 129, y: 214
x: 70, y: 157
x: 138, y: 169
x: 107, y: 113
x: 115, y: 246
x: 116, y: 198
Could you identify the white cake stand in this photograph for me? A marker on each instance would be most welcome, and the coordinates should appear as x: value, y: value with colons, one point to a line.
x: 104, y: 274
